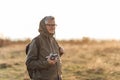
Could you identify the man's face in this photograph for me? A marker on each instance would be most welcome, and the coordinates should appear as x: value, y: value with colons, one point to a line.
x: 51, y: 26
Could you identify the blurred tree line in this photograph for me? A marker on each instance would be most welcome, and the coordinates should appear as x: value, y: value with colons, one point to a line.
x: 5, y: 42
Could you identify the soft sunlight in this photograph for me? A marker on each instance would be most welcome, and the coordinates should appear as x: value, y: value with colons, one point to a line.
x: 97, y: 19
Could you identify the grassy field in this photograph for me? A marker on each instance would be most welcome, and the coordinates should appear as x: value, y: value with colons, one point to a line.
x: 83, y: 60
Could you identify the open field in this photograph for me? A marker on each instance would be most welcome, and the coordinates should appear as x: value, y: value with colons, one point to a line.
x: 83, y: 60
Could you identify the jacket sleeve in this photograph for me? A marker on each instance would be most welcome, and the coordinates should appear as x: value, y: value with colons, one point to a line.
x: 32, y: 60
x: 61, y: 51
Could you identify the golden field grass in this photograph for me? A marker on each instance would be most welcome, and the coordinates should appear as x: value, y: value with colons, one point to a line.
x: 83, y: 60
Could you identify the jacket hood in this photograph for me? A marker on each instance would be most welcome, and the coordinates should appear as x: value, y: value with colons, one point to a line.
x: 42, y: 28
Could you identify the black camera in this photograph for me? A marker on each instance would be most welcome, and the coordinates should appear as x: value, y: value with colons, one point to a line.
x: 53, y: 56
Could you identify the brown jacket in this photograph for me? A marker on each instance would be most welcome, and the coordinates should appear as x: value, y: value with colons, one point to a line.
x: 42, y: 69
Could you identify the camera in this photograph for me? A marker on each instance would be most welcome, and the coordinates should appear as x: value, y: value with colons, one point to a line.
x: 53, y: 56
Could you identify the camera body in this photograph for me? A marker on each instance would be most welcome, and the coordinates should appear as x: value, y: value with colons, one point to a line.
x: 53, y: 56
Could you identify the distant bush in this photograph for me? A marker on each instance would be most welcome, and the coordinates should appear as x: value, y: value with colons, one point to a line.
x: 84, y: 40
x: 5, y: 42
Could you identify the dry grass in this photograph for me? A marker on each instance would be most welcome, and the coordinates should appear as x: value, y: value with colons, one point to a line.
x: 83, y: 60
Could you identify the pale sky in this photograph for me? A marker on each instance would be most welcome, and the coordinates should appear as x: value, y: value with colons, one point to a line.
x: 99, y: 19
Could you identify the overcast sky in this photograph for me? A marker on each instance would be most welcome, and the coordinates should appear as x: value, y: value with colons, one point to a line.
x: 99, y: 19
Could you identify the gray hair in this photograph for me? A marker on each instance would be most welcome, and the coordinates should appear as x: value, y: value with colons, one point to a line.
x: 48, y: 18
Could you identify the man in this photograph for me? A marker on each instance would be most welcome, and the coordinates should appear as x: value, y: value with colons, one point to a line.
x: 44, y: 57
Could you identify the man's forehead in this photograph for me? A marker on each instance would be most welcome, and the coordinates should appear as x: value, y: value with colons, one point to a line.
x: 49, y: 21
